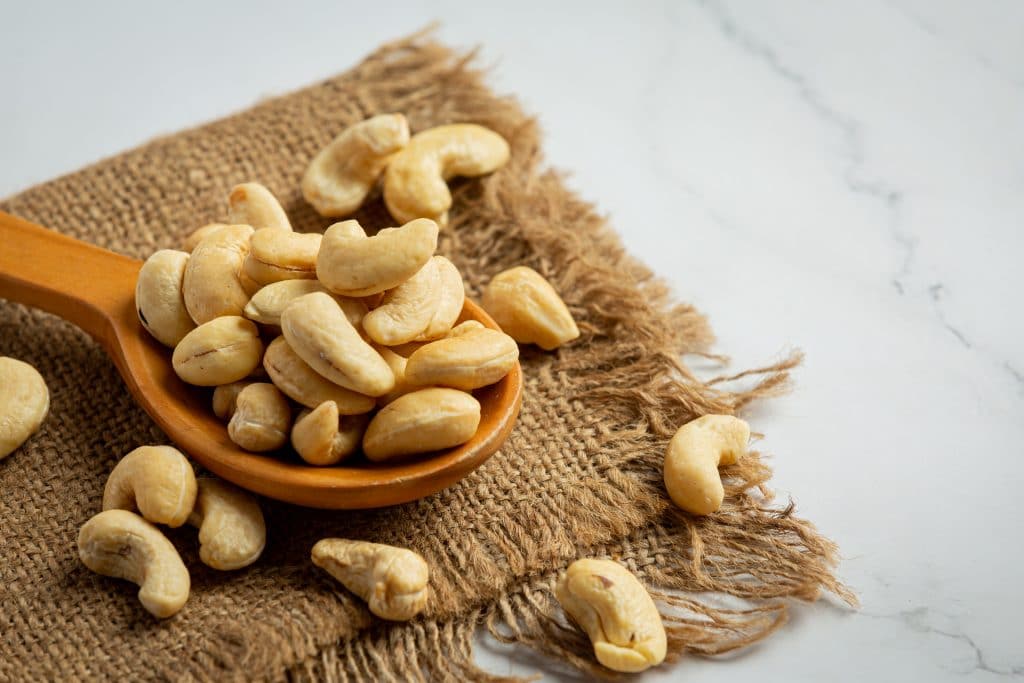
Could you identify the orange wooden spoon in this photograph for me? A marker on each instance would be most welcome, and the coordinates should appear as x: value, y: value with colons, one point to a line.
x: 95, y: 289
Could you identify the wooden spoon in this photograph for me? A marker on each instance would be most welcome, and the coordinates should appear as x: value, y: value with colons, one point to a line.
x: 95, y: 289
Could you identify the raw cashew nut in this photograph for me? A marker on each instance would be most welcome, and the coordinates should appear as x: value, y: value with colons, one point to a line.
x: 225, y: 397
x: 397, y: 363
x: 267, y: 304
x: 255, y: 205
x: 322, y: 437
x: 529, y: 309
x: 276, y: 255
x: 406, y: 311
x: 392, y: 581
x: 121, y: 544
x: 693, y: 457
x: 24, y: 402
x: 343, y: 173
x: 352, y: 264
x: 221, y: 351
x: 211, y: 286
x: 158, y: 298
x: 466, y: 361
x: 158, y: 481
x: 193, y: 239
x: 317, y: 329
x: 450, y: 298
x: 303, y: 384
x: 616, y: 611
x: 232, y: 533
x: 416, y: 180
x: 262, y: 418
x: 406, y: 350
x: 421, y: 421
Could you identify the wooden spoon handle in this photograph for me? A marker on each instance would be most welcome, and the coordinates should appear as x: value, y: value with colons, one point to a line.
x: 79, y: 282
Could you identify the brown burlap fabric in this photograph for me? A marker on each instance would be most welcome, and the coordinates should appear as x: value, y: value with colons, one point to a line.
x: 580, y: 474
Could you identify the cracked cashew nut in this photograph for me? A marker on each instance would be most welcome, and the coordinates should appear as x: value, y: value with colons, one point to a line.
x: 694, y: 455
x: 158, y: 298
x: 406, y: 311
x: 343, y: 173
x: 220, y: 351
x: 529, y: 309
x: 393, y: 581
x: 255, y: 205
x: 262, y: 418
x: 467, y: 361
x: 351, y: 264
x: 266, y: 305
x: 617, y: 613
x: 121, y: 544
x: 24, y: 402
x: 323, y: 437
x: 317, y: 330
x: 421, y: 421
x: 303, y: 384
x: 212, y: 286
x: 232, y: 533
x: 276, y: 255
x: 416, y: 179
x: 157, y: 481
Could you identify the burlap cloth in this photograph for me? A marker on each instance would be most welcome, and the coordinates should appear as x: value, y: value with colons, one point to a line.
x: 580, y: 474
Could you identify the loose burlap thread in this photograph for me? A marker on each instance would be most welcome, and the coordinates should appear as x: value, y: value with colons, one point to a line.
x: 579, y: 476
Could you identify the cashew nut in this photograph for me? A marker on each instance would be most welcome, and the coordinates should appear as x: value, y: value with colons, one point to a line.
x: 211, y: 286
x: 158, y: 481
x: 225, y: 397
x: 529, y: 309
x: 406, y: 311
x: 322, y: 437
x: 303, y: 384
x: 317, y: 330
x: 158, y: 298
x: 416, y: 180
x: 255, y: 205
x: 262, y: 418
x: 466, y: 361
x: 121, y: 544
x: 617, y: 613
x: 232, y: 532
x: 393, y: 581
x: 276, y: 255
x: 694, y: 455
x: 193, y: 239
x: 352, y: 264
x: 406, y: 350
x: 267, y: 304
x: 451, y: 295
x: 343, y: 173
x: 24, y: 402
x: 421, y: 421
x: 397, y: 364
x: 220, y: 351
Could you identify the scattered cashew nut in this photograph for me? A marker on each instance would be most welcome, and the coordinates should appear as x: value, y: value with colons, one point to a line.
x: 393, y: 581
x: 220, y: 351
x: 158, y: 298
x: 694, y: 455
x: 616, y: 611
x: 529, y: 309
x: 212, y: 286
x: 276, y: 255
x: 416, y: 180
x: 255, y: 205
x: 323, y: 437
x: 158, y: 481
x: 421, y: 421
x: 24, y: 402
x: 467, y: 361
x: 121, y: 544
x: 262, y: 418
x: 232, y: 533
x: 343, y: 173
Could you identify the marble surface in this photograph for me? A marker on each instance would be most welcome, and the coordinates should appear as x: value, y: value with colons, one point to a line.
x: 842, y: 177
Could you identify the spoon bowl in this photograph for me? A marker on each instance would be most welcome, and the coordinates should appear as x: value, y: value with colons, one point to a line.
x: 95, y: 289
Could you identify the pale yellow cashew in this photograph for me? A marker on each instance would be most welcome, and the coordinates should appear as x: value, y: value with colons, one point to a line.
x: 24, y: 402
x: 323, y: 437
x: 694, y: 455
x: 393, y: 581
x: 467, y: 361
x: 397, y: 363
x: 262, y: 418
x: 617, y: 613
x: 343, y: 173
x: 158, y: 481
x: 276, y: 255
x: 193, y: 239
x: 158, y: 298
x: 416, y: 180
x: 232, y: 533
x: 269, y: 302
x: 406, y: 311
x: 211, y: 286
x: 225, y: 397
x: 529, y: 309
x: 220, y: 351
x: 451, y: 296
x: 121, y: 544
x: 303, y: 384
x: 255, y: 205
x: 421, y: 421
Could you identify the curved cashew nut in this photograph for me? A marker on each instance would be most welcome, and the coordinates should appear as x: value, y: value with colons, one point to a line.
x: 211, y: 286
x: 406, y: 311
x: 617, y: 613
x: 421, y: 421
x: 416, y: 180
x: 225, y: 398
x: 450, y: 299
x: 469, y: 360
x: 303, y: 384
x: 232, y: 533
x: 158, y: 481
x: 392, y: 581
x: 343, y: 173
x: 529, y: 309
x: 24, y: 402
x: 121, y: 544
x: 276, y: 255
x: 694, y: 454
x: 221, y: 351
x: 255, y: 205
x: 193, y: 239
x: 323, y: 437
x: 269, y: 302
x: 262, y: 418
x: 158, y: 298
x: 352, y: 264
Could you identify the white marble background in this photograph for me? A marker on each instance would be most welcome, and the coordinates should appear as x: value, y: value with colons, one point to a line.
x: 843, y: 177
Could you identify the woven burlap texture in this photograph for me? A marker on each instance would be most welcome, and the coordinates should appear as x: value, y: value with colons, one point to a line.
x: 580, y: 474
